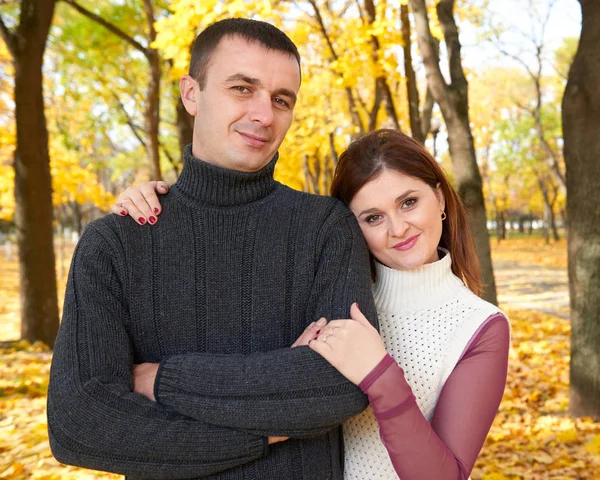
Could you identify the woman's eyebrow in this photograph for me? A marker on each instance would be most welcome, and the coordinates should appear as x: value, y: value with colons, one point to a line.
x: 398, y: 200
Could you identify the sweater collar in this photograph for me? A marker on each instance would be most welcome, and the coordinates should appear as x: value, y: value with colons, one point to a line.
x: 204, y: 183
x: 423, y: 287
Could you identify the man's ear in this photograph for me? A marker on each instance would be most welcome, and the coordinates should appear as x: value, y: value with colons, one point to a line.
x: 188, y: 89
x: 439, y: 193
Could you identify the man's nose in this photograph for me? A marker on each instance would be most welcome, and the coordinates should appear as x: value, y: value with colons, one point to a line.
x: 261, y: 110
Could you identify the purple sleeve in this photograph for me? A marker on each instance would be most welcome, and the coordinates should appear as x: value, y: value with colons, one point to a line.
x: 447, y: 447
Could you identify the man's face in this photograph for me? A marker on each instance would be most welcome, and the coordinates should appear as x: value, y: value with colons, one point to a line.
x: 246, y: 106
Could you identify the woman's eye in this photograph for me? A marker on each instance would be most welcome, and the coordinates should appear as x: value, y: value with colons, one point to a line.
x: 409, y: 202
x: 373, y: 218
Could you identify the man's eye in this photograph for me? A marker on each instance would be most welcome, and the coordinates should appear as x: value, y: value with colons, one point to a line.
x: 241, y: 89
x: 281, y: 102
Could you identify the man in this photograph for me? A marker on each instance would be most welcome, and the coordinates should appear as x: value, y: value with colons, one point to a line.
x: 208, y: 302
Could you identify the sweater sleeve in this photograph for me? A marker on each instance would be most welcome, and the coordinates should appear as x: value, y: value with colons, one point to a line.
x: 447, y: 448
x: 94, y: 418
x: 291, y: 391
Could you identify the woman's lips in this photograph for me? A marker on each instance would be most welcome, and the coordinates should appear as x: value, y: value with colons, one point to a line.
x: 407, y: 244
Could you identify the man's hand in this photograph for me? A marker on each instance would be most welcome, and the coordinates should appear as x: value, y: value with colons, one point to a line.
x: 144, y: 376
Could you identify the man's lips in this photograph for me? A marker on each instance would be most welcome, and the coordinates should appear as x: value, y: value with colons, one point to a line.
x: 253, y: 140
x: 407, y: 244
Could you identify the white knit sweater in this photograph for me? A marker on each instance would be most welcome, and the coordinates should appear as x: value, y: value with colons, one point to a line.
x: 426, y: 317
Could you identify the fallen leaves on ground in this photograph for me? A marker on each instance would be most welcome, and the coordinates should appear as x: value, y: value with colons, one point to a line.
x: 530, y: 251
x: 533, y: 437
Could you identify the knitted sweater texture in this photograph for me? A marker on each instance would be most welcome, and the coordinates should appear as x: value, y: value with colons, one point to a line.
x: 216, y: 292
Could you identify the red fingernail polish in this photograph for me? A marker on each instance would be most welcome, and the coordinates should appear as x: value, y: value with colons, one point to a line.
x: 156, y: 210
x: 123, y: 212
x: 315, y: 338
x: 142, y: 220
x: 318, y: 331
x: 152, y: 219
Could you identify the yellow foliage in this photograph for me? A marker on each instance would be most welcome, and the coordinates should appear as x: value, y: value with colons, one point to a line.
x: 7, y: 197
x: 593, y: 446
x: 74, y: 182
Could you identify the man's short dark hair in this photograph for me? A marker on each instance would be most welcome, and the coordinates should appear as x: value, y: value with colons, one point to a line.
x: 250, y: 30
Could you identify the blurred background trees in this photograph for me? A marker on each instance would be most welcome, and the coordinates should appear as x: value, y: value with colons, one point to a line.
x: 488, y: 107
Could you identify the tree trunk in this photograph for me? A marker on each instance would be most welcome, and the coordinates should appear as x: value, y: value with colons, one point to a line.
x: 77, y: 221
x: 151, y: 115
x: 552, y: 218
x: 412, y: 92
x: 454, y: 103
x: 33, y: 184
x: 581, y: 124
x: 546, y: 223
x: 382, y: 84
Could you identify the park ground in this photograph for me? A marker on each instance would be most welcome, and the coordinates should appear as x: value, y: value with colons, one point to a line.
x: 533, y: 436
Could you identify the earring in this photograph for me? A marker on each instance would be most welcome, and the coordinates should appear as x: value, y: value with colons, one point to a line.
x: 443, y: 215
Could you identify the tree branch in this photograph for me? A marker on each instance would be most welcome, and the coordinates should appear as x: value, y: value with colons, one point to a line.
x: 9, y: 38
x: 109, y: 26
x: 134, y: 128
x: 150, y: 20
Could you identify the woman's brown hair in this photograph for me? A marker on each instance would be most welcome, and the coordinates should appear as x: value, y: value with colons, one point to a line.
x: 380, y: 150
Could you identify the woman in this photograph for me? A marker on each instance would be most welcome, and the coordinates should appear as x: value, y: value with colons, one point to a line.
x: 436, y: 372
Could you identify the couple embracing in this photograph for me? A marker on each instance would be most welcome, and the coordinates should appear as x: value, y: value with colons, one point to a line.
x: 257, y: 332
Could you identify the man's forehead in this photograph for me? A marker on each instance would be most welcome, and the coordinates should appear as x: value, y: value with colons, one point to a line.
x: 242, y: 45
x: 237, y: 56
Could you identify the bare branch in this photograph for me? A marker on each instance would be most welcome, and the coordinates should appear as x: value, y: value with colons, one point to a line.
x: 150, y: 20
x: 134, y: 128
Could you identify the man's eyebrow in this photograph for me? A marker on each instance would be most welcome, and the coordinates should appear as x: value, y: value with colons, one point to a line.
x: 398, y: 200
x: 241, y: 77
x: 286, y: 93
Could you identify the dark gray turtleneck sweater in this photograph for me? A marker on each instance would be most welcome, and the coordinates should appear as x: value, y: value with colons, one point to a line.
x: 216, y: 292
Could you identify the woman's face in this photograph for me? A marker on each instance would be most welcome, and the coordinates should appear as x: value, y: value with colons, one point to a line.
x: 400, y: 217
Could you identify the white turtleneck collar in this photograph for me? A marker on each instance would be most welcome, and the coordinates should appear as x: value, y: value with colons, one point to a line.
x: 423, y: 287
